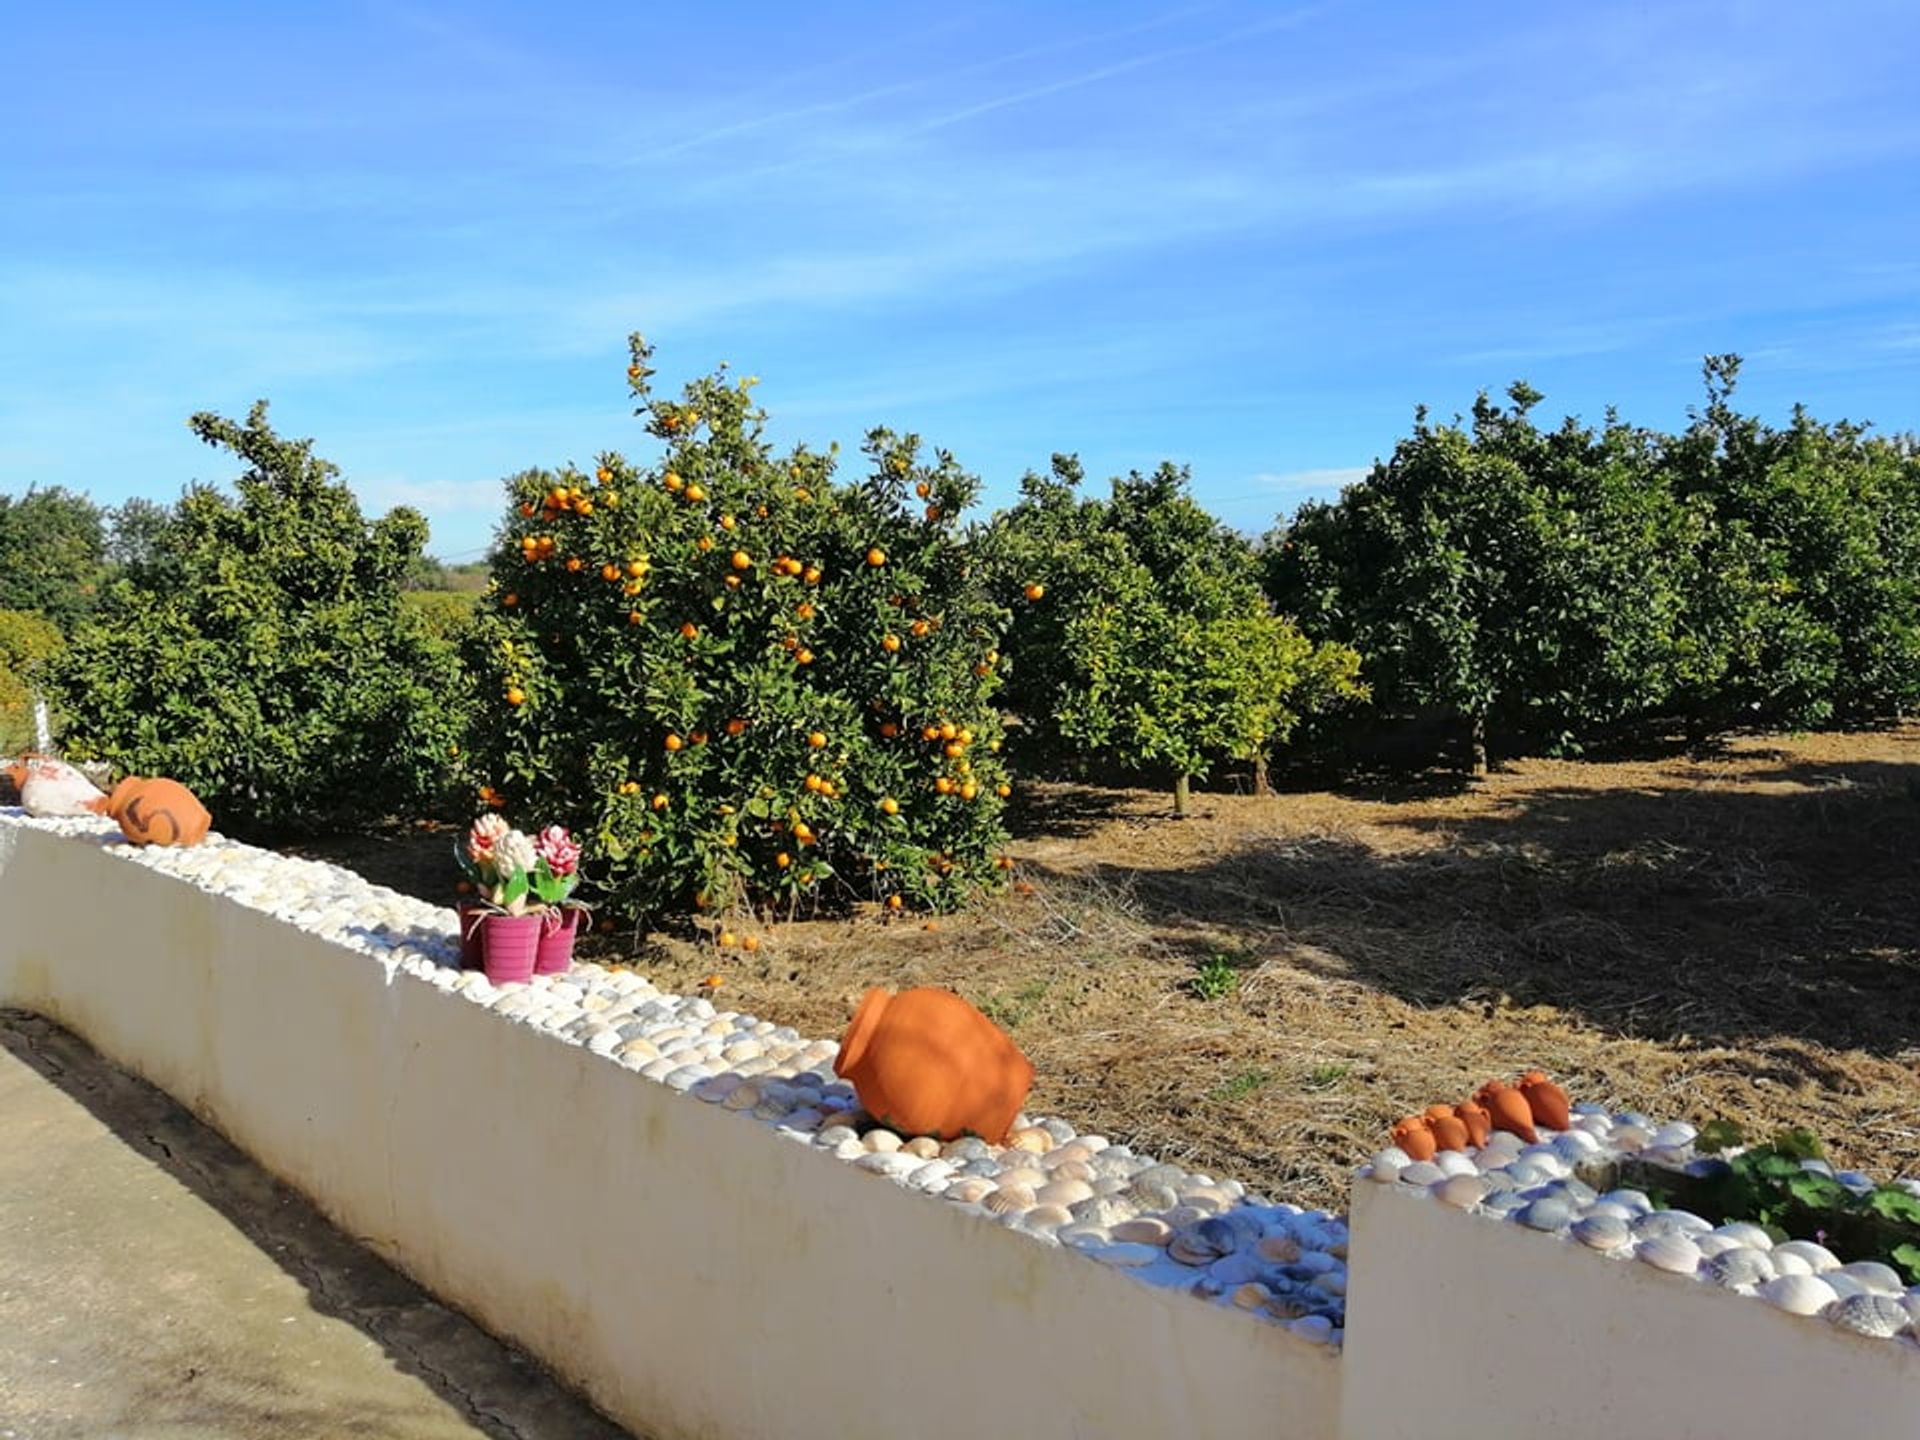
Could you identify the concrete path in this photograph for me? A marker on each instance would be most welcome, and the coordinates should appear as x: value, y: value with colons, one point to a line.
x: 156, y: 1285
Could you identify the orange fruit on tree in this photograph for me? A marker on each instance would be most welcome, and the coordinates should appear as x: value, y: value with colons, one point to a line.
x: 876, y: 557
x: 889, y: 730
x: 603, y: 474
x: 804, y: 610
x: 783, y: 860
x: 510, y: 599
x: 968, y: 790
x: 1003, y: 790
x: 923, y: 489
x: 732, y: 582
x: 727, y: 940
x: 1034, y: 591
x: 660, y: 802
x: 943, y: 785
x: 674, y: 742
x: 609, y: 572
x: 817, y: 739
x: 811, y: 575
x: 894, y: 902
x: 948, y: 731
x: 703, y: 544
x: 734, y: 727
x: 740, y: 560
x: 634, y: 617
x: 515, y: 695
x: 636, y: 568
x: 890, y: 643
x: 804, y: 657
x: 575, y: 564
x: 698, y: 737
x: 726, y: 522
x: 674, y: 482
x: 695, y: 494
x: 889, y: 806
x: 689, y: 630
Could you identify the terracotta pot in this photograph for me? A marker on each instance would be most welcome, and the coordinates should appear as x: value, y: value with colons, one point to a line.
x: 1546, y: 1100
x: 558, y: 929
x: 925, y: 1062
x: 471, y: 914
x: 1449, y: 1130
x: 1508, y: 1109
x: 158, y: 812
x: 1415, y: 1137
x: 1479, y: 1124
x: 509, y: 945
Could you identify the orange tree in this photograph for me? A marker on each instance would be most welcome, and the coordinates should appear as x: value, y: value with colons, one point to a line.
x: 747, y: 683
x: 1141, y: 638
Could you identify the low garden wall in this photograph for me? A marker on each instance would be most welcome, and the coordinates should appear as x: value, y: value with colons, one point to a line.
x: 704, y: 1262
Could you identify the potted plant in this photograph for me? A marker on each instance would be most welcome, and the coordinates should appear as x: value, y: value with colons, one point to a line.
x: 505, y: 925
x: 556, y: 872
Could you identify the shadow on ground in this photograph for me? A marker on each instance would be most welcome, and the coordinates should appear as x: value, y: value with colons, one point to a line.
x: 500, y: 1392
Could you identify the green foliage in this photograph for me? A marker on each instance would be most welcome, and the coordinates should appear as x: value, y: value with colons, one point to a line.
x: 746, y: 682
x: 1140, y: 636
x: 1771, y: 1185
x: 52, y: 555
x: 447, y: 615
x: 25, y: 642
x: 1214, y: 978
x: 1239, y: 1086
x: 269, y: 665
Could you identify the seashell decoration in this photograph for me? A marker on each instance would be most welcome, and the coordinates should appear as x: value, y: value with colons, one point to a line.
x: 1385, y: 1166
x: 1745, y: 1232
x: 1740, y: 1268
x: 1798, y: 1294
x: 1669, y: 1251
x: 1453, y: 1162
x: 1549, y: 1213
x: 1422, y: 1172
x: 1463, y: 1192
x: 1817, y: 1256
x: 1877, y: 1278
x: 1604, y: 1233
x: 1879, y: 1316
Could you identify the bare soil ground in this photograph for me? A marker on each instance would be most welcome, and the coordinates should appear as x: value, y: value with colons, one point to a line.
x: 1730, y: 935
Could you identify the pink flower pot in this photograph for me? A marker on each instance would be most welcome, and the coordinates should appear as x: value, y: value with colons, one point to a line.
x: 509, y: 945
x: 470, y: 918
x: 558, y: 929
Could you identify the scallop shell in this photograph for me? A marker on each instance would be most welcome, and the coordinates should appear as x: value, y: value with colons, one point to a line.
x: 1676, y: 1134
x: 1064, y: 1192
x: 1877, y: 1278
x: 1549, y: 1213
x: 1713, y: 1243
x: 1669, y: 1251
x: 1281, y: 1249
x: 1574, y: 1146
x: 1385, y: 1166
x: 1463, y: 1192
x: 1843, y: 1285
x: 1007, y: 1199
x: 1797, y: 1294
x: 1672, y: 1222
x: 1452, y: 1162
x: 1746, y: 1233
x: 1634, y: 1200
x: 1606, y: 1233
x: 1422, y: 1173
x: 1143, y: 1231
x: 1818, y: 1256
x: 1739, y: 1268
x: 968, y: 1190
x: 1880, y: 1316
x: 1202, y: 1244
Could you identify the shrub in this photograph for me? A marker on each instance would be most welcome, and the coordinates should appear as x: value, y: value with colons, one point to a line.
x: 273, y: 668
x: 25, y: 641
x: 750, y: 684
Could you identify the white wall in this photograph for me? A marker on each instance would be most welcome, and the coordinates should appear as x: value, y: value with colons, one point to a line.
x: 692, y: 1272
x: 1459, y: 1325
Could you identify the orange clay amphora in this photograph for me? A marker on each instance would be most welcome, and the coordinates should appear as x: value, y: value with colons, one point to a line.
x: 1546, y: 1100
x: 1507, y: 1108
x: 158, y: 812
x: 925, y: 1062
x: 1449, y: 1130
x: 1415, y: 1138
x: 1479, y: 1124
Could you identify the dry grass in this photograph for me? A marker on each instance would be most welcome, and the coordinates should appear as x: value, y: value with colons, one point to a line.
x: 1736, y: 935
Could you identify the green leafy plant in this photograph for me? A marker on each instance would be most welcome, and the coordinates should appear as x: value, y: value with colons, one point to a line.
x: 1214, y: 978
x: 1326, y: 1076
x: 1771, y: 1185
x: 270, y: 665
x: 26, y: 641
x: 1240, y: 1086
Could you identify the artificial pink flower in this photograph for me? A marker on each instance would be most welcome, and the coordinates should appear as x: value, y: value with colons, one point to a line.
x: 558, y: 849
x: 483, y: 837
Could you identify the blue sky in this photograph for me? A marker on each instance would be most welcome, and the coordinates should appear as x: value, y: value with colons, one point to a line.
x: 1247, y: 237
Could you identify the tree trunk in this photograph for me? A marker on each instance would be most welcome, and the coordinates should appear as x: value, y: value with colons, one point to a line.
x: 1182, y: 798
x: 1261, y: 784
x: 1477, y: 745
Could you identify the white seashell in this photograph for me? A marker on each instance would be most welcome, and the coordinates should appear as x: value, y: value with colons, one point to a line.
x: 1818, y: 1256
x: 1385, y: 1166
x: 1251, y: 1296
x: 1463, y: 1192
x: 1745, y: 1232
x: 1606, y: 1233
x: 1143, y: 1231
x: 1713, y: 1243
x: 1739, y: 1268
x: 1634, y: 1200
x: 1130, y: 1257
x: 969, y: 1190
x: 1574, y: 1146
x: 1334, y: 1282
x: 1422, y: 1173
x: 1064, y: 1192
x: 1798, y: 1294
x: 1677, y: 1133
x: 1669, y: 1252
x: 1629, y: 1137
x: 1672, y: 1156
x: 1877, y: 1278
x: 1880, y: 1316
x: 1674, y: 1222
x: 1612, y: 1209
x: 1452, y: 1162
x: 1549, y: 1213
x: 1843, y: 1285
x: 1549, y: 1160
x: 1047, y: 1217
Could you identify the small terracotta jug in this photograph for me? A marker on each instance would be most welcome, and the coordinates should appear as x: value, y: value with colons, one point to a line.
x: 1508, y: 1109
x: 1415, y: 1137
x: 158, y: 812
x: 925, y: 1062
x: 1479, y: 1124
x: 1546, y: 1100
x: 1449, y: 1132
